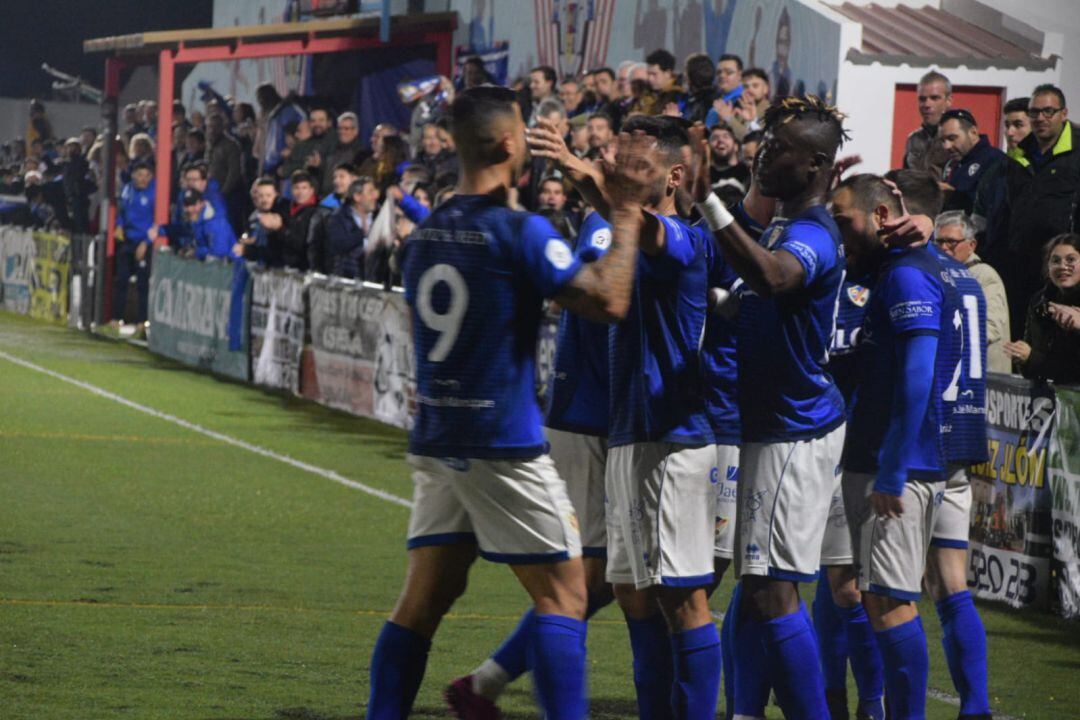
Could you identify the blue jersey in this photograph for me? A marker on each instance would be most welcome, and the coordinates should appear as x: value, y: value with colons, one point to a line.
x: 719, y: 363
x: 785, y: 391
x: 654, y: 354
x: 475, y: 274
x: 843, y: 358
x: 579, y: 385
x: 910, y: 297
x: 964, y: 367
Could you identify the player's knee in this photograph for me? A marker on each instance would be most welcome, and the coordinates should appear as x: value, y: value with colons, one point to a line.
x: 635, y: 604
x: 684, y: 608
x: 846, y: 596
x: 765, y: 598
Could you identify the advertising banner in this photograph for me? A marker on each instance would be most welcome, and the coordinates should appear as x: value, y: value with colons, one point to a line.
x: 277, y: 328
x: 190, y: 304
x: 1009, y: 558
x: 1064, y: 471
x: 362, y: 351
x: 16, y: 268
x: 49, y: 282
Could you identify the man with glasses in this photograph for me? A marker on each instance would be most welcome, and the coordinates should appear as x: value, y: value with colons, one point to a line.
x: 971, y: 156
x: 1042, y: 189
x: 344, y: 150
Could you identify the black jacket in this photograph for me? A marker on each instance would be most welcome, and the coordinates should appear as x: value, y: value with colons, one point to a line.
x: 1055, y: 352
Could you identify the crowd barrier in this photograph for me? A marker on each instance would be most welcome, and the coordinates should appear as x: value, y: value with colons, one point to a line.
x: 347, y: 345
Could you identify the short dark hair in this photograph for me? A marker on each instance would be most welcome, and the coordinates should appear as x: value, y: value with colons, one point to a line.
x: 197, y: 134
x: 473, y: 115
x: 547, y: 71
x: 869, y: 192
x: 732, y: 57
x: 964, y: 117
x: 1017, y: 105
x: 756, y: 72
x: 1049, y: 89
x: 141, y: 165
x: 605, y: 117
x: 662, y: 59
x: 358, y: 184
x: 700, y: 71
x: 552, y: 178
x: 200, y: 166
x: 823, y: 122
x: 302, y: 176
x: 178, y: 107
x: 346, y: 166
x: 922, y: 194
x: 670, y: 133
x: 604, y: 71
x: 266, y: 180
x: 753, y: 136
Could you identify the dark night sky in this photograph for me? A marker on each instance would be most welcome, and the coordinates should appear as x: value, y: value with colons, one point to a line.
x: 52, y: 31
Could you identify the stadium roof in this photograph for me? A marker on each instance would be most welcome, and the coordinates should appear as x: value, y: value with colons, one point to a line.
x: 930, y: 36
x: 152, y: 42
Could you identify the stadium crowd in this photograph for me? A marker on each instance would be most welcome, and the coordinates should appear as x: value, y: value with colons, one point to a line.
x: 290, y: 183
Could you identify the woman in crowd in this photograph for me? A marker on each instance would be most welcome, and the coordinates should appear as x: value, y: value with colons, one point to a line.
x: 1050, y: 349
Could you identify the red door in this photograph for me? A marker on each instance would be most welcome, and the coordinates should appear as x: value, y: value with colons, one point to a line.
x: 985, y: 104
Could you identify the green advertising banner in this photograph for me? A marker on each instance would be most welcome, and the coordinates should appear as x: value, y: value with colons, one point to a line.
x: 190, y: 309
x: 1064, y: 474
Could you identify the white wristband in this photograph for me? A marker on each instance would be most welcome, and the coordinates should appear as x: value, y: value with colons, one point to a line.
x: 714, y: 212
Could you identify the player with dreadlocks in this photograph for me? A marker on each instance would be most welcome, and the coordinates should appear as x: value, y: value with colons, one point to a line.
x: 791, y: 410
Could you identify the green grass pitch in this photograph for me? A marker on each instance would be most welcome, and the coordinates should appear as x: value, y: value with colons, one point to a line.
x: 148, y: 571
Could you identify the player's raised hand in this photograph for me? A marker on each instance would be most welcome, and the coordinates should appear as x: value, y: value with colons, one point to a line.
x: 637, y: 172
x: 700, y: 185
x: 907, y: 230
x: 886, y: 505
x: 724, y: 109
x: 545, y: 141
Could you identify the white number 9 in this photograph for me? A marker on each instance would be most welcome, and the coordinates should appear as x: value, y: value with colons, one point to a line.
x: 447, y: 324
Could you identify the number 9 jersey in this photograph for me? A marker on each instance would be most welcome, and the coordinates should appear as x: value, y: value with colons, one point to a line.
x: 475, y: 274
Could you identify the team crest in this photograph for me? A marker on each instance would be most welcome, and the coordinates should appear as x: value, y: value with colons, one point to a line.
x: 858, y: 295
x: 973, y: 169
x: 773, y: 236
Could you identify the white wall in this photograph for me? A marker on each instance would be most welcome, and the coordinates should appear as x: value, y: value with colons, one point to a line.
x: 67, y: 119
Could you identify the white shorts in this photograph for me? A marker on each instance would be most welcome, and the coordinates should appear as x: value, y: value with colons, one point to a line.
x: 953, y: 522
x: 726, y: 482
x: 516, y: 511
x: 891, y: 552
x: 785, y: 493
x: 836, y: 546
x: 660, y: 514
x: 580, y: 461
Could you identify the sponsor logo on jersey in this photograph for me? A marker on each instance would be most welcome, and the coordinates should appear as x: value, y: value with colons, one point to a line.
x: 601, y: 238
x: 858, y: 295
x: 973, y: 169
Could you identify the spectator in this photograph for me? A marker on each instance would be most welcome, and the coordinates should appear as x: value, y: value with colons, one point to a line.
x: 194, y: 147
x: 541, y: 88
x: 132, y: 122
x: 552, y: 195
x: 395, y: 154
x: 661, y: 71
x: 572, y: 97
x: 725, y: 166
x: 923, y: 150
x: 700, y: 78
x: 150, y: 118
x: 179, y: 113
x: 198, y: 120
x: 579, y: 135
x: 1042, y: 184
x: 378, y: 135
x: 433, y: 156
x: 141, y: 150
x: 749, y: 147
x: 196, y: 176
x: 308, y: 152
x: 601, y: 131
x: 207, y: 233
x: 87, y: 136
x: 274, y: 114
x: 604, y: 85
x: 747, y: 113
x: 78, y: 185
x: 349, y: 227
x: 41, y: 214
x: 134, y: 219
x: 955, y: 235
x: 473, y: 73
x: 622, y: 80
x: 1017, y: 123
x: 225, y: 164
x: 729, y: 77
x: 294, y: 253
x: 971, y: 156
x: 343, y: 150
x: 1050, y: 349
x: 343, y: 176
x: 39, y: 127
x: 266, y: 239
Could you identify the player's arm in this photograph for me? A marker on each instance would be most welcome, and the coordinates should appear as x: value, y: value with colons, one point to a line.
x: 764, y: 271
x: 600, y: 291
x: 911, y: 395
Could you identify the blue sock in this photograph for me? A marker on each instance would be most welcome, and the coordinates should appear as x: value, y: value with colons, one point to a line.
x: 697, y: 660
x: 865, y: 660
x: 964, y: 640
x: 907, y: 666
x: 397, y: 668
x: 727, y: 647
x: 653, y: 666
x: 513, y: 655
x: 793, y: 667
x: 751, y: 666
x: 557, y: 658
x: 832, y: 637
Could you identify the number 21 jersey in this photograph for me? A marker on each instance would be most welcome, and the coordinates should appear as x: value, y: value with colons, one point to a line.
x: 475, y: 274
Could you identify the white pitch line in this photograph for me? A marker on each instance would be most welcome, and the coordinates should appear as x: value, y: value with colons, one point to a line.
x: 950, y: 699
x: 227, y: 439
